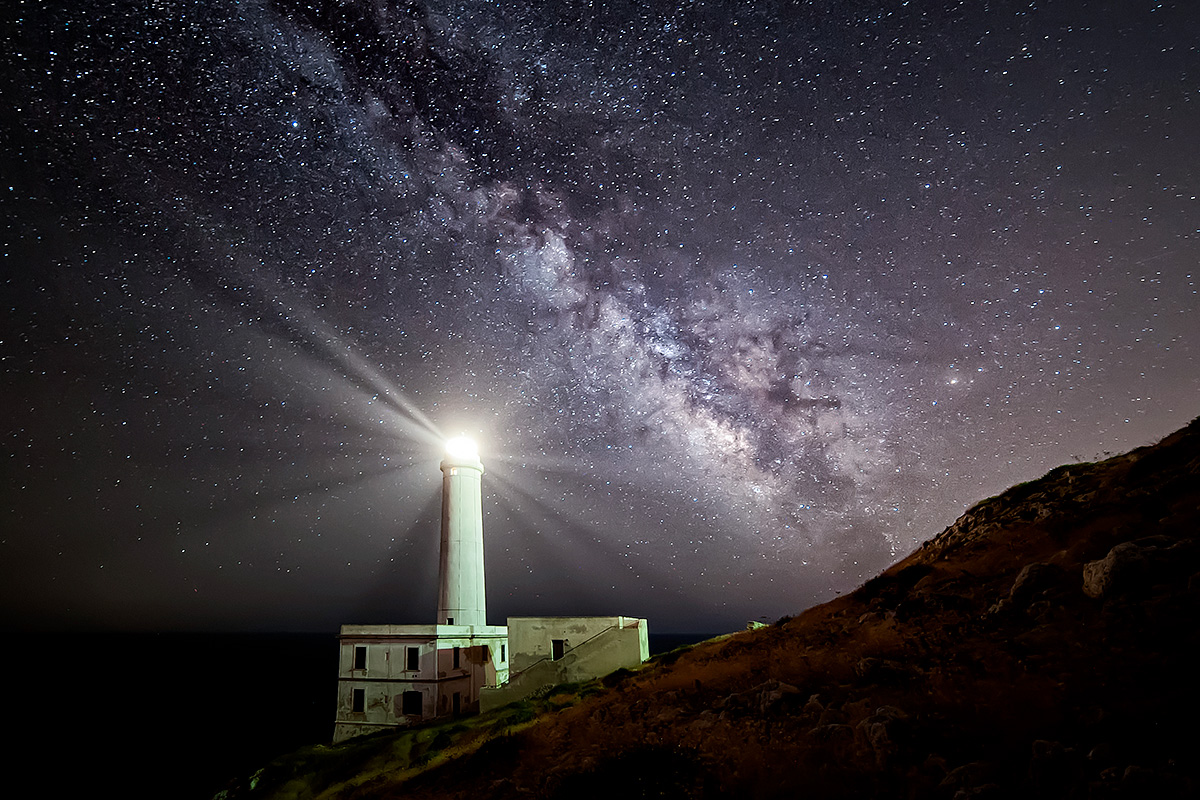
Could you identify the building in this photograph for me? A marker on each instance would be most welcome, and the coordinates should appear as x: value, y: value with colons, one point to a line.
x: 390, y: 675
x: 547, y: 651
x: 393, y: 675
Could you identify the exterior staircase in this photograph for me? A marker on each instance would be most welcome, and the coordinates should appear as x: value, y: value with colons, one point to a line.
x: 610, y: 649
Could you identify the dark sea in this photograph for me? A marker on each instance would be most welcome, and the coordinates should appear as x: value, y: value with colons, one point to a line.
x: 168, y: 715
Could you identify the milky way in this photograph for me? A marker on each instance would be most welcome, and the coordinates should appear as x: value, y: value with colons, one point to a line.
x: 742, y: 300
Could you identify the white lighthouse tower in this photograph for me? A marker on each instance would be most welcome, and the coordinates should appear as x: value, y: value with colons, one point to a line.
x: 461, y: 597
x: 391, y: 675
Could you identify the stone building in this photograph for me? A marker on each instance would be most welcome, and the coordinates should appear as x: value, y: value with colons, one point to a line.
x: 546, y: 651
x: 392, y: 675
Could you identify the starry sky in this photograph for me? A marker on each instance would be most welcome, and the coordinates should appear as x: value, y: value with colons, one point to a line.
x: 741, y: 300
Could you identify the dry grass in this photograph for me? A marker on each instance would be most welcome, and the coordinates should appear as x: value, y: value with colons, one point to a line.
x: 928, y: 680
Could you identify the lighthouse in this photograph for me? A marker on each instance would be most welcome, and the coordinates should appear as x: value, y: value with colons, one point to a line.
x: 392, y: 675
x: 461, y: 598
x: 396, y: 675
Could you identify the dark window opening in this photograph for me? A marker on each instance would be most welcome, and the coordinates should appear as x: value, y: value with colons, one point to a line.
x: 503, y: 653
x: 485, y: 652
x: 456, y: 659
x: 449, y: 620
x: 557, y: 648
x: 359, y: 700
x: 414, y: 659
x: 360, y: 656
x: 457, y: 703
x: 411, y: 704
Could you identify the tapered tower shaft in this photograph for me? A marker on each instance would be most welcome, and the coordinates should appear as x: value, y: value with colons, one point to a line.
x: 461, y: 599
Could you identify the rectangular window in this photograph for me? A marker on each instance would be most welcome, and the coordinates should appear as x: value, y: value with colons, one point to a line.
x: 360, y: 656
x: 485, y: 652
x: 411, y: 704
x: 503, y: 653
x: 414, y: 659
x: 457, y: 703
x: 456, y: 658
x: 359, y: 700
x: 557, y: 648
x: 449, y: 620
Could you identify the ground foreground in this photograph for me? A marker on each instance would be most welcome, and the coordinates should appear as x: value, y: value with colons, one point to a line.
x: 1041, y: 646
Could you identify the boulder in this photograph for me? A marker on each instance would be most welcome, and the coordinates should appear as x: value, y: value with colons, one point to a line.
x: 1140, y: 564
x: 1139, y: 781
x: 1032, y: 580
x: 837, y: 734
x: 883, y: 732
x: 988, y: 791
x: 969, y: 776
x: 1052, y: 767
x: 760, y: 698
x: 880, y: 670
x: 1121, y: 570
x: 775, y: 691
x: 866, y: 666
x: 831, y: 716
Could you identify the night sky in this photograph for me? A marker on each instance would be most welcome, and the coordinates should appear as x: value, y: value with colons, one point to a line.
x: 742, y: 301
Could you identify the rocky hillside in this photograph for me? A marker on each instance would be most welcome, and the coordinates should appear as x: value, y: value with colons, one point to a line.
x: 1041, y: 646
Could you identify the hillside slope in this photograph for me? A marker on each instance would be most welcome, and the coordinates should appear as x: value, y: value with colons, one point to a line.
x: 1041, y: 646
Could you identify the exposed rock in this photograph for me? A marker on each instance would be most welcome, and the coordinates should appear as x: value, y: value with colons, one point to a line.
x: 985, y: 792
x: 704, y: 720
x: 664, y: 717
x: 879, y: 670
x: 976, y: 774
x: 883, y: 732
x: 773, y: 694
x: 866, y: 666
x: 1032, y: 580
x: 1052, y: 766
x: 831, y: 716
x: 1139, y: 781
x: 885, y: 589
x: 842, y: 735
x: 1120, y: 571
x: 760, y: 698
x: 988, y: 791
x: 1101, y: 755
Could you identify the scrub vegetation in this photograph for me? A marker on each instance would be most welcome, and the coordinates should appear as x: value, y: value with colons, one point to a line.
x: 1042, y: 646
x: 369, y: 765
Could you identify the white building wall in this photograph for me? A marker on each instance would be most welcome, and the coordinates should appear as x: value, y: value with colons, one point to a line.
x: 592, y: 647
x: 532, y: 638
x: 385, y: 677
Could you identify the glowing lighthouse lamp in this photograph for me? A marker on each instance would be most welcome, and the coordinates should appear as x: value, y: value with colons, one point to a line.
x: 461, y: 599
